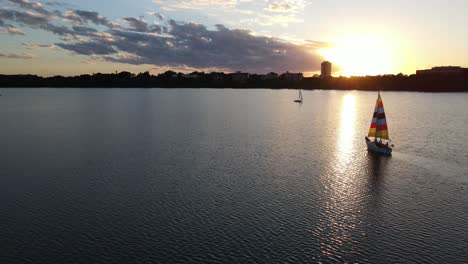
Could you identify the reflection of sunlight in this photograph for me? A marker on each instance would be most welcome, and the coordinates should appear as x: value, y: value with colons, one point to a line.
x: 342, y: 206
x: 346, y: 131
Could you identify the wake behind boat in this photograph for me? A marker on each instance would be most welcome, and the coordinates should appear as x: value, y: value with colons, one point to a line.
x: 379, y: 131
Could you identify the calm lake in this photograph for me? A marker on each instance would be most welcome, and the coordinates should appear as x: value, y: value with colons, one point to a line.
x: 230, y: 176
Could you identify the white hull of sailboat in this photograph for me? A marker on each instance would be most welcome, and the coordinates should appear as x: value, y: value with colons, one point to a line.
x: 372, y: 146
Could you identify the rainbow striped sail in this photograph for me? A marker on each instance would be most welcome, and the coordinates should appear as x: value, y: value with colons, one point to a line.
x: 378, y: 126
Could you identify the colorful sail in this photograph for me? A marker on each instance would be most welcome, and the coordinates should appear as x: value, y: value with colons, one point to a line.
x: 378, y: 126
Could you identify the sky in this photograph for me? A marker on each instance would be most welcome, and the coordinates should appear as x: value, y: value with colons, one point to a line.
x: 362, y: 37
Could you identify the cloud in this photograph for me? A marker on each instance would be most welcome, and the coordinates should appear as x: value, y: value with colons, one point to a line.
x: 295, y: 6
x: 260, y: 12
x: 11, y: 31
x: 76, y: 17
x: 140, y: 25
x: 83, y: 31
x: 283, y: 19
x: 37, y: 7
x: 313, y: 44
x: 195, y: 4
x: 23, y: 56
x: 156, y: 14
x: 35, y: 46
x: 171, y: 44
x: 279, y: 7
x: 88, y: 48
x: 282, y: 12
x: 84, y: 17
x: 59, y: 30
x: 193, y: 45
x: 28, y: 18
x: 55, y: 3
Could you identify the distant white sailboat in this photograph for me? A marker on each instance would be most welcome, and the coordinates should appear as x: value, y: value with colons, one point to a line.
x: 300, y: 97
x: 379, y: 130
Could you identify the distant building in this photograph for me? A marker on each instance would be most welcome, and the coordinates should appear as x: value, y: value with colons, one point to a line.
x: 291, y: 77
x: 269, y: 76
x: 190, y: 76
x: 326, y: 69
x: 217, y: 77
x: 240, y: 77
x: 446, y: 70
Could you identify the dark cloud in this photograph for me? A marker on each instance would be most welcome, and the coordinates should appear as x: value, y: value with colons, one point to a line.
x: 140, y: 25
x: 3, y: 24
x: 6, y: 28
x: 84, y: 31
x: 132, y: 35
x: 88, y: 48
x: 26, y: 4
x: 27, y: 18
x: 137, y: 24
x: 175, y: 44
x: 83, y: 17
x: 196, y: 46
x: 36, y: 20
x: 56, y: 3
x: 58, y: 30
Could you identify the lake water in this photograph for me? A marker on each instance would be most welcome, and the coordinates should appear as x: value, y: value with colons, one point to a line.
x: 230, y: 176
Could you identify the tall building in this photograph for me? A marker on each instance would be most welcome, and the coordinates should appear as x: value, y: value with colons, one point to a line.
x: 326, y: 69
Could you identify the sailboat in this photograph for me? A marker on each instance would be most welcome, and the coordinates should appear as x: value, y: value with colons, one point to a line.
x: 300, y: 97
x: 379, y: 131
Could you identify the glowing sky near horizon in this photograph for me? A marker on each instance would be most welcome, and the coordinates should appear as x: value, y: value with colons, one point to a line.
x: 360, y: 37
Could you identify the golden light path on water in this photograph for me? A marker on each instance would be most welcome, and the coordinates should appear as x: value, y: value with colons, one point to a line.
x: 341, y: 207
x: 346, y: 131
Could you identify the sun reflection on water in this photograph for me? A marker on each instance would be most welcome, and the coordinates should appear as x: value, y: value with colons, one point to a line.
x: 346, y: 132
x: 343, y: 189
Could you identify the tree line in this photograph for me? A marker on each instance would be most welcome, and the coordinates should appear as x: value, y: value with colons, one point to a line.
x: 171, y: 79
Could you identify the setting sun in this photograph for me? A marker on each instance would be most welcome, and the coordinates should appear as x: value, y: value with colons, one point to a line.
x: 356, y: 55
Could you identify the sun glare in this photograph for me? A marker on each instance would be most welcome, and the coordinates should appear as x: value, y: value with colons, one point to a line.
x: 356, y: 55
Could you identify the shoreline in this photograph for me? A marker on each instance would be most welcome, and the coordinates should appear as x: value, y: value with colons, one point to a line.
x: 234, y: 88
x: 406, y: 83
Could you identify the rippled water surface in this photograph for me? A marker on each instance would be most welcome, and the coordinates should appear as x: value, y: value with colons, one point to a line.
x: 230, y: 176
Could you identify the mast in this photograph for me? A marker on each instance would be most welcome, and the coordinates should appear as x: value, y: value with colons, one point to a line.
x: 377, y: 110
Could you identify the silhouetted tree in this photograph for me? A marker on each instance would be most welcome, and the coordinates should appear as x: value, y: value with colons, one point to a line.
x: 399, y: 82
